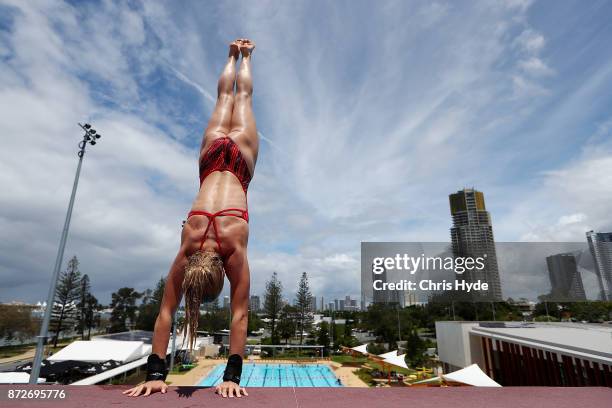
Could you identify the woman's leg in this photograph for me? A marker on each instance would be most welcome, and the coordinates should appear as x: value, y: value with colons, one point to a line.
x: 243, y: 130
x: 220, y: 120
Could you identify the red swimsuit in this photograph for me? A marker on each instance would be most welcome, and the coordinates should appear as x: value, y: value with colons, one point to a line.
x: 223, y: 155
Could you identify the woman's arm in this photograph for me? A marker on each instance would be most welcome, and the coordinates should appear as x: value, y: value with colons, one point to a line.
x: 170, y: 301
x: 163, y: 324
x: 240, y: 282
x: 237, y: 270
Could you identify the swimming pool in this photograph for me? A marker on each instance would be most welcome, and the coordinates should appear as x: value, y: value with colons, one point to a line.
x: 278, y: 375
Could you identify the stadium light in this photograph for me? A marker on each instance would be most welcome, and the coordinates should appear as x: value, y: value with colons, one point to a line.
x: 89, y: 137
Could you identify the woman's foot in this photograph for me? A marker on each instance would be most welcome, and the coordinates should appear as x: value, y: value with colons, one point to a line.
x: 234, y: 49
x: 246, y: 46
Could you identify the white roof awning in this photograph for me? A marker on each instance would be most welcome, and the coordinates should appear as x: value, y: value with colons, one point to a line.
x: 471, y: 375
x: 16, y: 378
x: 397, y: 360
x: 363, y: 349
x: 102, y: 350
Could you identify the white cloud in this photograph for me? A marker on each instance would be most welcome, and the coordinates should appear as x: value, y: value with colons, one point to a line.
x: 535, y: 66
x: 530, y: 41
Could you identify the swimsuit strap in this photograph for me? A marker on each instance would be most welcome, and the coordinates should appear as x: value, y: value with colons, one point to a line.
x: 212, y: 217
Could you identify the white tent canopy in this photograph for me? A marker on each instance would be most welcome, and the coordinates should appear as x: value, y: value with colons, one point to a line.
x: 389, y: 354
x: 17, y: 378
x: 397, y: 360
x: 470, y: 375
x: 102, y: 350
x: 363, y: 349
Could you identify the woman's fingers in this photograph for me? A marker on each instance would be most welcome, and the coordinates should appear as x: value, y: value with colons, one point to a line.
x: 230, y: 390
x: 128, y: 391
x: 136, y: 391
x: 148, y: 391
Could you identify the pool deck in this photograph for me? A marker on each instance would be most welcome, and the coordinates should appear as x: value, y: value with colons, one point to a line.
x: 451, y: 397
x: 195, y: 375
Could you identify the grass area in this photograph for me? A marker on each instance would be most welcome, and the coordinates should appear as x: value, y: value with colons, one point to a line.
x: 345, y: 359
x: 365, y: 372
x: 11, y: 351
x: 177, y: 371
x: 364, y: 375
x: 384, y: 367
x: 132, y: 379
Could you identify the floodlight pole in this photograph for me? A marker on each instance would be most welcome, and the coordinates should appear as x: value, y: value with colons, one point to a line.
x: 90, y: 137
x: 172, y: 350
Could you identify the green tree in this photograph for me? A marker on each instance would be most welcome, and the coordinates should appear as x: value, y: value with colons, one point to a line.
x: 67, y: 295
x: 91, y: 316
x: 149, y: 307
x: 375, y: 348
x: 286, y: 323
x: 273, y: 304
x: 215, y: 318
x: 415, y: 347
x: 255, y: 322
x: 550, y: 309
x: 303, y: 305
x: 16, y: 322
x: 590, y: 311
x: 381, y: 319
x: 124, y: 307
x: 85, y: 289
x: 323, y: 335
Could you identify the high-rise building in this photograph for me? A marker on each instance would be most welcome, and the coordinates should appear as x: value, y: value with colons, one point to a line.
x: 313, y: 303
x: 565, y: 280
x: 384, y: 296
x: 226, y: 302
x: 255, y: 304
x: 600, y: 244
x: 472, y: 236
x: 348, y: 304
x: 322, y: 304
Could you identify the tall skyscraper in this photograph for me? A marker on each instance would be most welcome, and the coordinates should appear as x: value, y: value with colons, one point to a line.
x: 313, y: 303
x: 600, y: 244
x: 565, y: 280
x: 226, y: 302
x: 472, y: 236
x: 255, y: 303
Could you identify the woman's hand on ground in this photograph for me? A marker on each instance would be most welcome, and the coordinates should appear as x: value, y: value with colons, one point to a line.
x: 229, y: 389
x: 147, y: 389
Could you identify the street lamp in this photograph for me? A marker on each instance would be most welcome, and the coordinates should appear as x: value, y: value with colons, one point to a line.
x: 90, y: 136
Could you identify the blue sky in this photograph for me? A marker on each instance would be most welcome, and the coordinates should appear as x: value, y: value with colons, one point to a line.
x: 370, y: 113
